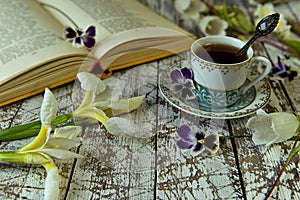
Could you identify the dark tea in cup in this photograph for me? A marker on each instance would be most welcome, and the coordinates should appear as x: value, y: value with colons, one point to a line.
x: 220, y: 53
x: 220, y: 76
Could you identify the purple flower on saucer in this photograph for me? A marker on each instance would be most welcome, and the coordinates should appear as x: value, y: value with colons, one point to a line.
x: 197, y: 142
x: 182, y: 83
x: 283, y: 71
x: 80, y: 38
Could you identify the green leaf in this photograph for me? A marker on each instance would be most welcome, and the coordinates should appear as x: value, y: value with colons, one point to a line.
x: 293, y: 45
x: 240, y: 20
x: 235, y: 18
x: 295, y: 150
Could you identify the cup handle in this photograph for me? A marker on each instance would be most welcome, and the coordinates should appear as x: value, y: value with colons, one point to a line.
x: 263, y: 75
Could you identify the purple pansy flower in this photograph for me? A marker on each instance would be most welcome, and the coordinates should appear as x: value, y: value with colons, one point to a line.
x: 183, y: 83
x: 80, y: 38
x: 197, y: 141
x: 283, y: 71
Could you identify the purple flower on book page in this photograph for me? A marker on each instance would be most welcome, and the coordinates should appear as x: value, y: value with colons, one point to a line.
x: 197, y: 141
x: 283, y: 71
x: 182, y: 83
x: 80, y: 38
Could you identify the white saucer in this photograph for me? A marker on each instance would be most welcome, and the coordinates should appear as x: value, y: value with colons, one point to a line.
x: 254, y: 99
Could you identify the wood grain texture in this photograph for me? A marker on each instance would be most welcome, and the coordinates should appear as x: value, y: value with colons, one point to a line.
x: 150, y: 166
x: 260, y: 166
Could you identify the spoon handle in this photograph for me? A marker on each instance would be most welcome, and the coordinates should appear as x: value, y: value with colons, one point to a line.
x: 247, y: 45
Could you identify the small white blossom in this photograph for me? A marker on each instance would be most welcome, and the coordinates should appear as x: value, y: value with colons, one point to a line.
x: 189, y: 9
x: 213, y: 25
x: 272, y: 128
x: 264, y: 10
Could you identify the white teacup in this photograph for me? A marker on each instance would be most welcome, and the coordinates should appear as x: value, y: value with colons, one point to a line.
x: 222, y: 84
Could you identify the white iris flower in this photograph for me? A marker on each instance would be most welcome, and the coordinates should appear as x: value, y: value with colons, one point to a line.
x: 272, y: 128
x: 44, y: 147
x: 99, y: 103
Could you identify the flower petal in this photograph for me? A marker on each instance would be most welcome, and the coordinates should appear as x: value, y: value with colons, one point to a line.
x: 107, y: 95
x: 70, y: 33
x: 284, y: 125
x: 184, y: 145
x: 189, y: 84
x: 176, y: 76
x: 51, y: 184
x: 272, y: 128
x: 212, y: 143
x: 91, y: 31
x: 122, y: 127
x: 113, y: 108
x: 49, y: 108
x: 189, y: 8
x: 92, y: 113
x: 187, y: 93
x: 261, y: 112
x: 213, y: 25
x: 61, y: 153
x: 263, y: 133
x: 197, y: 149
x: 89, y: 42
x: 184, y: 132
x: 176, y: 87
x: 199, y: 135
x: 62, y: 143
x: 280, y: 64
x: 78, y: 42
x: 103, y: 105
x: 182, y: 5
x: 187, y: 73
x: 70, y: 132
x: 91, y: 82
x: 79, y: 32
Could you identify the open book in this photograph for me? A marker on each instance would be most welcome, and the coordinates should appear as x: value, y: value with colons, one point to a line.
x: 34, y: 54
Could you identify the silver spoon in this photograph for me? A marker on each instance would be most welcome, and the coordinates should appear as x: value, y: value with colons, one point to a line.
x: 264, y: 27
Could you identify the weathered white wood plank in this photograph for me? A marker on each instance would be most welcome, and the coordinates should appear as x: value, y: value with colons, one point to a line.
x: 120, y: 167
x: 178, y: 176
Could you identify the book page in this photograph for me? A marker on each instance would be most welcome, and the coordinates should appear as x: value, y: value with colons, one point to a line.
x: 79, y: 18
x: 29, y: 37
x: 109, y: 16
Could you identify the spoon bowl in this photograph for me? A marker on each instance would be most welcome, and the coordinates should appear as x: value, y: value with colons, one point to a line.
x: 267, y: 24
x: 264, y: 27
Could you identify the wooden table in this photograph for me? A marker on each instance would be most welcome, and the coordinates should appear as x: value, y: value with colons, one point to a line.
x: 153, y: 167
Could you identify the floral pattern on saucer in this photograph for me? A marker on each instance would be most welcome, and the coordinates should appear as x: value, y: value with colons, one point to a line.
x: 254, y: 99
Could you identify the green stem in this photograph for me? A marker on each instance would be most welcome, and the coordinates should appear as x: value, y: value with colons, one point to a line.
x: 294, y: 138
x: 61, y: 12
x: 234, y: 136
x: 30, y: 129
x: 62, y: 119
x: 294, y: 151
x: 278, y: 177
x: 11, y: 156
x: 23, y: 131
